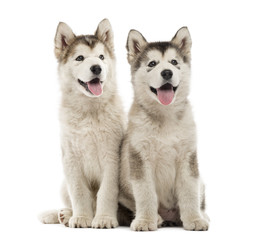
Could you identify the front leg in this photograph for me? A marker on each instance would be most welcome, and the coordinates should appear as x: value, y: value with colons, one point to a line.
x: 107, y: 197
x: 188, y: 191
x: 146, y: 217
x: 80, y: 195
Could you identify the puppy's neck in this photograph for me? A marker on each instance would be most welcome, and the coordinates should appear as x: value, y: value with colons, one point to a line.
x: 76, y: 101
x: 157, y: 112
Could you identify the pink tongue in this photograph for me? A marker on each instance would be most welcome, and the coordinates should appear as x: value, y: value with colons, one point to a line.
x: 165, y: 96
x: 95, y: 87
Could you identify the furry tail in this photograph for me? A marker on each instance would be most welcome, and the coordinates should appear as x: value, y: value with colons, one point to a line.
x: 49, y: 217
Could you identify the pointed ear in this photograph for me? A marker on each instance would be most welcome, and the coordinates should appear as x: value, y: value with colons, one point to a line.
x: 64, y: 36
x: 182, y: 41
x: 105, y: 34
x: 135, y: 44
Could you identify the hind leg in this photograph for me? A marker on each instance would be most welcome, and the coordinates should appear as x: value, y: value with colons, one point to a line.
x: 202, y: 201
x: 58, y: 216
x: 65, y: 195
x: 64, y: 215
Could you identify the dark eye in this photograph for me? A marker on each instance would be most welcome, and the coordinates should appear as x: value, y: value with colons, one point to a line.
x: 80, y: 58
x: 101, y: 57
x: 152, y: 64
x: 174, y: 62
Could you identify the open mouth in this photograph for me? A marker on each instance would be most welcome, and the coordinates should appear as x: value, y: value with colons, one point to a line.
x: 94, y: 86
x: 165, y: 93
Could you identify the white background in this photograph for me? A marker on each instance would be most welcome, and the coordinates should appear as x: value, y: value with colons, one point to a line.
x: 222, y: 93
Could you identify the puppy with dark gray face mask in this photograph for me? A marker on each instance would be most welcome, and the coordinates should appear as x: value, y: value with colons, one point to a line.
x: 159, y: 178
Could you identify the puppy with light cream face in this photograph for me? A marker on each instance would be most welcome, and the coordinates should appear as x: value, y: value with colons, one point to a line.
x: 159, y: 179
x: 91, y: 118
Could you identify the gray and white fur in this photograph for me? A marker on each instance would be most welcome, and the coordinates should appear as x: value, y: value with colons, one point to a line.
x: 159, y: 178
x: 92, y: 124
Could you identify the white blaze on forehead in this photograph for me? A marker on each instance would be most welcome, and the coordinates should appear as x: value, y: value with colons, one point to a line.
x: 86, y: 51
x: 168, y: 55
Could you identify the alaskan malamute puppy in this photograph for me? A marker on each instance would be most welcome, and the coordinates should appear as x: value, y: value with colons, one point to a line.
x: 91, y: 119
x: 159, y: 170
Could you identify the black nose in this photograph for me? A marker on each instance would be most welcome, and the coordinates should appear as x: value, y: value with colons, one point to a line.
x: 166, y: 74
x: 96, y: 69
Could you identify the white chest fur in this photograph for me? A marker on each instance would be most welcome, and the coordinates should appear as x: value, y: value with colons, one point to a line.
x: 86, y: 139
x: 161, y: 145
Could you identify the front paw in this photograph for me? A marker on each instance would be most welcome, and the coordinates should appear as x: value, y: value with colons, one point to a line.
x: 104, y: 222
x: 196, y: 225
x: 143, y: 225
x: 80, y: 222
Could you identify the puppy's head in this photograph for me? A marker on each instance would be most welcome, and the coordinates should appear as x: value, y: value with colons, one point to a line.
x: 85, y: 61
x: 160, y: 70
